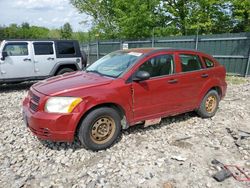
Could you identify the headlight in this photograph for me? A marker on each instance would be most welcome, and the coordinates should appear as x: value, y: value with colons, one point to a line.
x: 61, y: 104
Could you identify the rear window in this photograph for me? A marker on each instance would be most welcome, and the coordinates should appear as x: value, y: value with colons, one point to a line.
x: 43, y: 48
x: 209, y: 63
x: 66, y: 48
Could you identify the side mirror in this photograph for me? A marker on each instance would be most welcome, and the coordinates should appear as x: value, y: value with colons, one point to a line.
x: 4, y: 55
x: 141, y: 75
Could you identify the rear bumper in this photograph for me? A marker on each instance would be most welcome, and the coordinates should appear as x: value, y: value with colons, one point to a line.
x: 48, y: 126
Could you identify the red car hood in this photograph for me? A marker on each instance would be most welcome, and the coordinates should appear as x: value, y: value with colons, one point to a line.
x: 70, y: 82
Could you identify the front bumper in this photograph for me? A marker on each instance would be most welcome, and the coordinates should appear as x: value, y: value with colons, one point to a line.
x: 50, y: 126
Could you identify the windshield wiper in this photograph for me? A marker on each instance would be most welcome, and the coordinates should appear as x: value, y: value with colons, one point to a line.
x: 94, y: 71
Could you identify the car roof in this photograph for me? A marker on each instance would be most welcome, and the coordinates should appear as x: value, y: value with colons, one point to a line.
x: 153, y: 50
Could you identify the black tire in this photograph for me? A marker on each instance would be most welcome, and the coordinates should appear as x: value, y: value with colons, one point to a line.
x: 100, y: 129
x: 209, y: 104
x: 64, y: 70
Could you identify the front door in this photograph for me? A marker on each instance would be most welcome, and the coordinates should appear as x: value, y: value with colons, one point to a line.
x: 155, y: 97
x: 44, y: 57
x: 18, y: 63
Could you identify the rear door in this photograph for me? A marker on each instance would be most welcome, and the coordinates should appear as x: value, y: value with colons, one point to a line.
x: 44, y: 57
x: 19, y: 62
x: 191, y: 78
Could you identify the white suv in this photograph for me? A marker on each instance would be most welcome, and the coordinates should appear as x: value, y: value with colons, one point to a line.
x: 23, y: 60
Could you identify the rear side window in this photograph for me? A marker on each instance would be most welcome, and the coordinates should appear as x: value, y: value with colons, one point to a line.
x: 44, y: 48
x: 209, y: 63
x: 66, y: 48
x: 16, y: 49
x: 190, y: 62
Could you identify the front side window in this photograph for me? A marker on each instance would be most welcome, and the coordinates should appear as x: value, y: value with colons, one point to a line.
x: 66, y: 48
x: 114, y: 64
x: 16, y: 49
x: 159, y: 65
x: 190, y: 62
x: 43, y: 48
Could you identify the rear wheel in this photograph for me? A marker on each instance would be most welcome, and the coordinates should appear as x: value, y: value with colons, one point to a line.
x: 64, y: 70
x: 209, y: 104
x: 100, y: 128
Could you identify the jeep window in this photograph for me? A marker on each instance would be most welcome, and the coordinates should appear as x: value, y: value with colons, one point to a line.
x: 16, y: 49
x: 159, y: 65
x: 66, y: 48
x: 209, y: 63
x: 114, y: 64
x: 190, y: 62
x: 43, y: 48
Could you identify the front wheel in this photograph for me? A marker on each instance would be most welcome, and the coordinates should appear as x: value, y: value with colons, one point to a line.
x: 100, y: 129
x: 209, y: 104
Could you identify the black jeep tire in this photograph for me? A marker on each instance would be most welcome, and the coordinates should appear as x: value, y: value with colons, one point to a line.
x: 64, y: 70
x: 100, y: 129
x: 209, y: 104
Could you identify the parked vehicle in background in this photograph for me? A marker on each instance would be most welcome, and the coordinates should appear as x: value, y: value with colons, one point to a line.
x: 122, y: 89
x: 23, y: 60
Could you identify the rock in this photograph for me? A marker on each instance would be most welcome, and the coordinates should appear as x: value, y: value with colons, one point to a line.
x: 91, y: 184
x: 168, y: 185
x: 208, y: 185
x: 99, y: 165
x: 179, y: 158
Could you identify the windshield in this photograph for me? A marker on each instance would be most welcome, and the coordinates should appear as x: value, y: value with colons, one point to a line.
x: 114, y: 64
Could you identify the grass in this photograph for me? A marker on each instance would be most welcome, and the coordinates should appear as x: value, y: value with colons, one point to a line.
x: 236, y: 80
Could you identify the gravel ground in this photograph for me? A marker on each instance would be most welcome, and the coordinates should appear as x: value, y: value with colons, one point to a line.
x: 149, y: 157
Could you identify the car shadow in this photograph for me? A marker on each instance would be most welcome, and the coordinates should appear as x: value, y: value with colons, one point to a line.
x: 168, y: 121
x: 16, y: 86
x: 58, y: 146
x: 76, y: 145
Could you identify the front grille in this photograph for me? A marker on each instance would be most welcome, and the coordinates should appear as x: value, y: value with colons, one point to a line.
x: 34, y: 102
x: 35, y: 98
x: 33, y: 106
x: 41, y: 132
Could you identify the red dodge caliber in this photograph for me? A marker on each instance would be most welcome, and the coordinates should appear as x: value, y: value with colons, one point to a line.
x: 122, y: 89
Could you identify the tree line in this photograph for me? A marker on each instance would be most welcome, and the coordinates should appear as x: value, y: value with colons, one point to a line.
x: 141, y: 19
x: 133, y: 19
x: 26, y: 31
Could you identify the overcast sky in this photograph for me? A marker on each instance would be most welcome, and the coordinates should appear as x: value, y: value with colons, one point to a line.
x: 47, y: 13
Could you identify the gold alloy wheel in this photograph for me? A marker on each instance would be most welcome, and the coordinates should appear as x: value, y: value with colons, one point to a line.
x: 103, y: 130
x: 211, y: 103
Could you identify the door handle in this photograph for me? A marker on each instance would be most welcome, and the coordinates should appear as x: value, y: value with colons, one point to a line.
x: 172, y: 81
x: 27, y: 59
x: 50, y: 58
x: 204, y: 75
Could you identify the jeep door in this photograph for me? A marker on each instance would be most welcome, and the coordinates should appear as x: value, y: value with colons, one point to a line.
x: 44, y: 57
x: 18, y: 63
x: 156, y: 97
